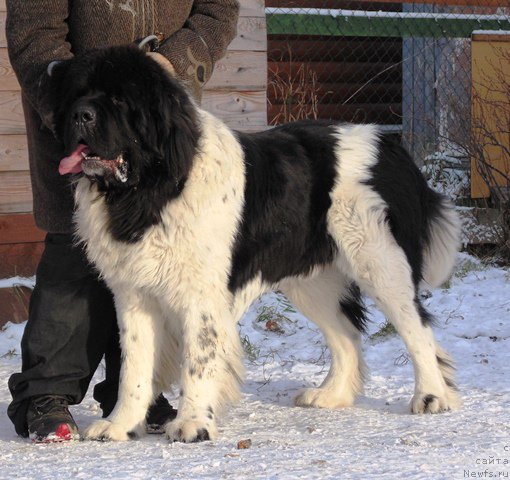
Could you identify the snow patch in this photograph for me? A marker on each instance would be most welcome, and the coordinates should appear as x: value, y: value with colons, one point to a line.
x: 375, y: 439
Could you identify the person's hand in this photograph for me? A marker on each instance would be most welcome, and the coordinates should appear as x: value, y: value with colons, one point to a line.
x: 163, y: 62
x: 49, y: 88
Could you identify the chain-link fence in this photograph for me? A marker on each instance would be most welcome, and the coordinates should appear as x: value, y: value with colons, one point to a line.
x: 406, y: 66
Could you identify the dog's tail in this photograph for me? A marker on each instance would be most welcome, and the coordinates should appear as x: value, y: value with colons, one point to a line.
x: 443, y: 242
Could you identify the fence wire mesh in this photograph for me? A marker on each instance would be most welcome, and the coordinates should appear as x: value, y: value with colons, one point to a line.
x: 406, y: 66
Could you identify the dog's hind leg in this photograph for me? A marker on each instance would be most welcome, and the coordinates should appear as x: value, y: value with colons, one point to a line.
x: 329, y: 301
x: 380, y: 267
x: 139, y: 322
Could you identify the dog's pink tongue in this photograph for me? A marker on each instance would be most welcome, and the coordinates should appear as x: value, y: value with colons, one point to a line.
x: 72, y: 163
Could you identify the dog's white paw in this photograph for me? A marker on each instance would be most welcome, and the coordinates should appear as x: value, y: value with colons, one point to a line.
x: 189, y: 431
x: 435, y: 403
x: 322, y: 398
x: 104, y: 431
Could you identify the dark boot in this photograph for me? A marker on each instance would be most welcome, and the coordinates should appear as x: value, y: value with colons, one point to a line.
x: 49, y: 420
x: 71, y: 325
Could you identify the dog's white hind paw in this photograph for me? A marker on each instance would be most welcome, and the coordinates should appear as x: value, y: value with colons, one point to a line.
x: 189, y: 431
x: 104, y: 431
x: 322, y: 398
x: 432, y: 403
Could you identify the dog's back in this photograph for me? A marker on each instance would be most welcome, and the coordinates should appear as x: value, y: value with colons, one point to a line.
x: 291, y: 172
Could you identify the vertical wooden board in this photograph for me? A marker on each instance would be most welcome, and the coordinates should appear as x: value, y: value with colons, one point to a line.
x: 13, y: 153
x: 240, y: 71
x: 12, y: 120
x: 3, y: 41
x: 490, y: 74
x: 19, y: 259
x: 251, y: 35
x: 15, y: 192
x: 14, y: 303
x: 238, y: 110
x: 2, y: 6
x: 8, y: 80
x: 19, y: 228
x: 249, y: 8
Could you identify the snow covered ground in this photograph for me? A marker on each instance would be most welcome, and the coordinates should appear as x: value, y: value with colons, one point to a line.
x: 376, y: 439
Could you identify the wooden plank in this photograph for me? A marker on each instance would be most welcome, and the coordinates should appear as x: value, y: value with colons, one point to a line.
x: 3, y: 40
x: 14, y: 301
x: 19, y: 259
x: 12, y: 120
x: 13, y: 153
x: 490, y: 71
x: 8, y: 80
x: 486, y: 37
x: 339, y: 72
x: 2, y: 6
x: 239, y: 110
x: 251, y: 35
x: 355, y: 113
x: 332, y: 49
x: 240, y: 71
x: 350, y: 92
x: 250, y: 8
x: 19, y: 228
x: 15, y: 192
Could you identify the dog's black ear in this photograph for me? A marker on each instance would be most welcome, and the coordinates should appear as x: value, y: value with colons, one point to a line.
x: 171, y: 126
x: 182, y: 131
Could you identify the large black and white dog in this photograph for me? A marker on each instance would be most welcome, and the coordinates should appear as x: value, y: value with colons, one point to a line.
x: 188, y: 222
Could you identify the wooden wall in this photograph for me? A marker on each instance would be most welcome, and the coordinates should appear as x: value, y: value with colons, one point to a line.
x: 236, y: 93
x: 490, y: 109
x: 237, y: 90
x: 351, y: 78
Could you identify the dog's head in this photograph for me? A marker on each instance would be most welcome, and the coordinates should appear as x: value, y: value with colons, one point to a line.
x: 124, y: 121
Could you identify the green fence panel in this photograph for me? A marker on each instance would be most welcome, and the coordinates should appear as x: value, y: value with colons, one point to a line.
x: 381, y: 26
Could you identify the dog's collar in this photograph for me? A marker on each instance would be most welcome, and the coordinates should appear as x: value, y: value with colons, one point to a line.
x: 153, y: 42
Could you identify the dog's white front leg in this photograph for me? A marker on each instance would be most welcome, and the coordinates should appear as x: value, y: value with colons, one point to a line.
x: 210, y: 374
x: 138, y: 319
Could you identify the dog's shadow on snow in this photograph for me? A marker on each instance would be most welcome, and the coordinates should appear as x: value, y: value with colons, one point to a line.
x: 282, y: 392
x: 279, y: 391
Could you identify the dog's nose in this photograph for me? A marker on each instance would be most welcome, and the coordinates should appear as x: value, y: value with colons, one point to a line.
x: 84, y: 115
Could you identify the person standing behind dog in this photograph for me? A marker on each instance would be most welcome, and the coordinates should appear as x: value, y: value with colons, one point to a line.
x: 72, y: 321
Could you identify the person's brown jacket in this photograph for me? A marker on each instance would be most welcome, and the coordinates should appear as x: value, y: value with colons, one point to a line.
x: 41, y: 31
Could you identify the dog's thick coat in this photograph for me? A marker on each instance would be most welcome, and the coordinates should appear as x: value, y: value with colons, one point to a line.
x: 188, y: 222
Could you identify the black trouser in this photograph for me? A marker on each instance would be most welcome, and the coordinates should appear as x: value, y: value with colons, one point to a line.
x: 71, y: 325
